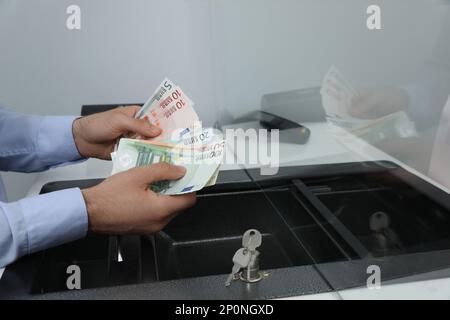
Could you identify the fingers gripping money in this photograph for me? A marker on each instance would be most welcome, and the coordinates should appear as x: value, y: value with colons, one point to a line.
x: 182, y: 141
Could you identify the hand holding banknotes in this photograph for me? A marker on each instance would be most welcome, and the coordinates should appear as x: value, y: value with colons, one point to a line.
x: 183, y: 141
x: 139, y: 197
x: 146, y: 188
x: 123, y: 203
x: 373, y: 113
x: 95, y: 135
x: 378, y: 101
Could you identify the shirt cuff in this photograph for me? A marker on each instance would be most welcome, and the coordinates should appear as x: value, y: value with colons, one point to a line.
x: 53, y: 219
x: 55, y: 140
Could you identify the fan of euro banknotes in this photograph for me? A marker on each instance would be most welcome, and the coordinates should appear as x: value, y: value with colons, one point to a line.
x: 183, y: 141
x: 337, y: 94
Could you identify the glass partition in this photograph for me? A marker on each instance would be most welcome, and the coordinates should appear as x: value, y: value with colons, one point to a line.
x: 362, y: 184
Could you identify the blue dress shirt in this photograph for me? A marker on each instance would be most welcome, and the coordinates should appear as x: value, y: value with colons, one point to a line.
x: 30, y: 144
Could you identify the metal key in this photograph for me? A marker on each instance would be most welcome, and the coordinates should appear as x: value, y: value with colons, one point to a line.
x: 251, y: 239
x: 379, y: 221
x: 241, y: 259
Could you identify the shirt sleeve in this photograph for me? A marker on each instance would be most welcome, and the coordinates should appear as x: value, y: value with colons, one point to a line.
x: 34, y: 143
x: 40, y: 222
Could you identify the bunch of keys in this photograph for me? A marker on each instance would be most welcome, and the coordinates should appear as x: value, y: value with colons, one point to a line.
x: 386, y: 237
x: 250, y: 241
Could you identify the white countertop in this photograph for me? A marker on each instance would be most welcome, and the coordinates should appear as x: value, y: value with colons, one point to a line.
x: 321, y: 149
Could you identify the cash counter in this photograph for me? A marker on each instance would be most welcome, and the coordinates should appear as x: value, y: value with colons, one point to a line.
x: 328, y: 218
x: 322, y: 227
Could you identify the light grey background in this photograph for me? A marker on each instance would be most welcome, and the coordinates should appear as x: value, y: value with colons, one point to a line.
x: 224, y: 53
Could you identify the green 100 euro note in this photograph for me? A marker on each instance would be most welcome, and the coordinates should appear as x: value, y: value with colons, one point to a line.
x: 201, y: 162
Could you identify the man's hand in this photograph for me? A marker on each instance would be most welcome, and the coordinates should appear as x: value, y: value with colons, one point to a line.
x: 123, y: 204
x: 96, y: 135
x: 376, y: 102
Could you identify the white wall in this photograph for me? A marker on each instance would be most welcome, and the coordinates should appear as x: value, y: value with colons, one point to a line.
x: 122, y: 52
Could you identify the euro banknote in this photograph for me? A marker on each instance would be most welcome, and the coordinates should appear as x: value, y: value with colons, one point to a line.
x: 170, y: 109
x: 183, y: 141
x: 201, y: 162
x: 337, y: 95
